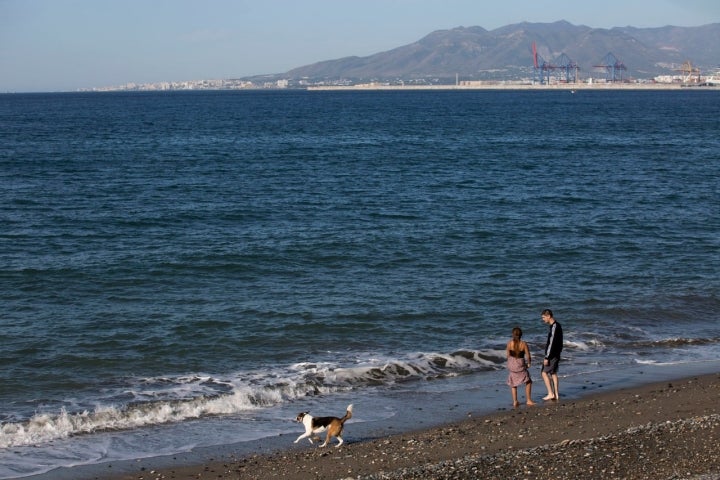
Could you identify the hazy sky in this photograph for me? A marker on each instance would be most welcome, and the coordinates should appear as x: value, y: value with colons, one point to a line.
x: 51, y: 45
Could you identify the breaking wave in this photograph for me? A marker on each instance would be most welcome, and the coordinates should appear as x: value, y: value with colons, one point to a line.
x: 157, y: 401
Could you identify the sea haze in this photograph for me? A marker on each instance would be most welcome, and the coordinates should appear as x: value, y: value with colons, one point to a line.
x: 180, y: 270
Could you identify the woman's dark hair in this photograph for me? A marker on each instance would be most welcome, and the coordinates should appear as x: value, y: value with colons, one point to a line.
x: 517, y: 335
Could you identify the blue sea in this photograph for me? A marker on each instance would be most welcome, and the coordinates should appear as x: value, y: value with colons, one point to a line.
x: 181, y: 271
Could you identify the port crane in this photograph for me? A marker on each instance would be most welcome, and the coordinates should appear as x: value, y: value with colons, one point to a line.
x: 690, y: 74
x: 569, y: 67
x: 612, y: 66
x: 544, y: 69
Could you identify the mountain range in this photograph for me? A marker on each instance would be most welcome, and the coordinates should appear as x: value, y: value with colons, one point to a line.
x: 474, y: 53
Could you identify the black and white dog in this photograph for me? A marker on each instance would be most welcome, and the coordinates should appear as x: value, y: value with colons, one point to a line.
x: 316, y: 425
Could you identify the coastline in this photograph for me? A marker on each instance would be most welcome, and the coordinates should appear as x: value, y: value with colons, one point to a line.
x: 661, y: 429
x: 469, y: 86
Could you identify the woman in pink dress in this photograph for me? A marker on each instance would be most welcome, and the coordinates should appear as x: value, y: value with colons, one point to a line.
x: 518, y: 362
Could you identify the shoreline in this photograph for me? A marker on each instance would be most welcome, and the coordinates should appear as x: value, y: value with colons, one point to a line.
x: 637, y: 430
x: 479, y: 86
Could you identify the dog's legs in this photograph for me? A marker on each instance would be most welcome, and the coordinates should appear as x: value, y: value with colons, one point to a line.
x: 327, y: 439
x: 304, y: 435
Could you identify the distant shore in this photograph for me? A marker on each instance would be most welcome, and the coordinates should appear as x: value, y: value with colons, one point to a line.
x: 519, y: 86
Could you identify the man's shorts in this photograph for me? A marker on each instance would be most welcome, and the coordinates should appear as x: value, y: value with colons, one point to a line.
x: 552, y: 367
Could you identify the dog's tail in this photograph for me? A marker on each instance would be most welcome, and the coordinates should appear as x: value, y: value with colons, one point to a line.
x: 348, y: 414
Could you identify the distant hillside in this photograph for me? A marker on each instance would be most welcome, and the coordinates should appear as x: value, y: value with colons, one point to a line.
x: 474, y: 53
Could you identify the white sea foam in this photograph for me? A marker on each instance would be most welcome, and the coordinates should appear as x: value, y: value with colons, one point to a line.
x: 162, y: 400
x: 583, y: 346
x: 659, y: 363
x: 43, y: 428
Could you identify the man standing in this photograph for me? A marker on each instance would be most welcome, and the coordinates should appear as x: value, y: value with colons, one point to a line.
x: 553, y: 348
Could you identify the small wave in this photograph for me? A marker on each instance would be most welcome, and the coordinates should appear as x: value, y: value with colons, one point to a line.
x: 632, y: 342
x: 43, y: 428
x: 162, y: 400
x: 423, y: 366
x: 662, y: 364
x: 584, y: 346
x: 677, y: 342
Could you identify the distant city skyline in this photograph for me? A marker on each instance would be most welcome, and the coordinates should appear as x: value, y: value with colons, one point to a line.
x: 65, y: 45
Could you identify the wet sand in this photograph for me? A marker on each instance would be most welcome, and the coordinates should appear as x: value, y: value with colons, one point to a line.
x: 667, y: 430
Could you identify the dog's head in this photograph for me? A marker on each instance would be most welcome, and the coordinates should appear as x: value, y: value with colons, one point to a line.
x: 300, y: 416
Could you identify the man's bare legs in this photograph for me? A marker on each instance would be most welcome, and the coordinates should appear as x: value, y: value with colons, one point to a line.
x: 552, y: 385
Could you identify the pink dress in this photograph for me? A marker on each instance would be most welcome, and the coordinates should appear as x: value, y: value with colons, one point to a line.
x: 519, y: 374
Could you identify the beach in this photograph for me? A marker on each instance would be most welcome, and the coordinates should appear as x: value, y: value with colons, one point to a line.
x: 667, y: 429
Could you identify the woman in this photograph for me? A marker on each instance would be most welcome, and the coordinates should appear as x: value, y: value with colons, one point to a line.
x: 518, y: 362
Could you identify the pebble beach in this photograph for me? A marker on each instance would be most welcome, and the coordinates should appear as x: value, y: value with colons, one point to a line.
x: 665, y: 430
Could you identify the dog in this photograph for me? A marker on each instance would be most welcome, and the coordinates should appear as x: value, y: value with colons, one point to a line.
x: 316, y: 425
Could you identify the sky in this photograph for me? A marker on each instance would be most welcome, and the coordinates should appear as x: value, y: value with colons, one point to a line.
x: 65, y: 45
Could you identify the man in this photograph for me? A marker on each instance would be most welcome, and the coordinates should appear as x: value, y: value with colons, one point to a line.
x: 553, y: 348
